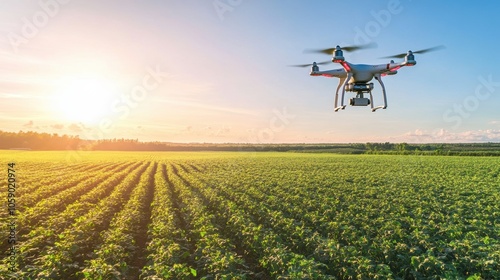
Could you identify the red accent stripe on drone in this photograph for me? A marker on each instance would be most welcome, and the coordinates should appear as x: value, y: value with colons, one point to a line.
x: 346, y: 66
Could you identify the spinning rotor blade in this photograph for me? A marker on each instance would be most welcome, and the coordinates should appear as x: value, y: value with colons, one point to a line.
x: 436, y: 48
x: 310, y: 64
x: 401, y: 55
x: 330, y: 51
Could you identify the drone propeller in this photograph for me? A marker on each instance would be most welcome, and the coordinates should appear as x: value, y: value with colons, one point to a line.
x: 353, y: 48
x: 401, y: 55
x: 310, y: 64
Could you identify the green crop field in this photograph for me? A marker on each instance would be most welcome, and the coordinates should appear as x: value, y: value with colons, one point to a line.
x: 228, y: 215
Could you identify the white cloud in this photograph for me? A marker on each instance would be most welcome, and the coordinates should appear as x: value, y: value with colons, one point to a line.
x: 29, y: 124
x: 74, y: 127
x: 57, y: 126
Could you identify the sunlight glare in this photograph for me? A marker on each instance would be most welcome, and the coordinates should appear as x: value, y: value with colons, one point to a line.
x: 84, y: 99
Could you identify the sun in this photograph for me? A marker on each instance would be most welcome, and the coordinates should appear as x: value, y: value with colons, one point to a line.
x: 84, y: 98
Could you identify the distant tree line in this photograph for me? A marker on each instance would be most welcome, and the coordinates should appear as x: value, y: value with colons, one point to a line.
x: 451, y: 149
x: 37, y: 141
x: 44, y: 141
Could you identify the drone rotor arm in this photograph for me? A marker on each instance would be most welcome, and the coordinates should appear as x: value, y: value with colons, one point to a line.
x: 389, y: 68
x: 335, y: 73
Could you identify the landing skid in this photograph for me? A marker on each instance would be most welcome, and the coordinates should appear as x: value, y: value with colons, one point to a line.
x: 340, y: 107
x: 379, y: 79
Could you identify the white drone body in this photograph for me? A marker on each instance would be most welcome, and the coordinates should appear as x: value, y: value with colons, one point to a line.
x: 356, y: 77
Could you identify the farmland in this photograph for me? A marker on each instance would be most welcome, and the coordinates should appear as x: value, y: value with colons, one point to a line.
x: 228, y: 215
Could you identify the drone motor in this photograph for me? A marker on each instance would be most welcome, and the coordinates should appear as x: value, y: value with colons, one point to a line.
x: 338, y: 55
x: 410, y: 59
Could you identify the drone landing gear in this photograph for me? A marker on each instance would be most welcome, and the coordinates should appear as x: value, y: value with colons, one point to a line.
x: 379, y: 79
x: 360, y: 90
x: 340, y: 107
x: 342, y: 84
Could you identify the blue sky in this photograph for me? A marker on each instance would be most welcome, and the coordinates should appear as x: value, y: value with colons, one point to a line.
x: 216, y: 71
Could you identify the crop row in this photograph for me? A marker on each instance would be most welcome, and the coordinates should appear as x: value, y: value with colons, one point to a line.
x: 68, y: 243
x: 120, y: 254
x: 262, y: 242
x: 266, y: 216
x: 374, y: 224
x: 41, y: 178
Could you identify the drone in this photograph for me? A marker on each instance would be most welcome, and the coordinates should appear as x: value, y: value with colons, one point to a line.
x: 356, y: 77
